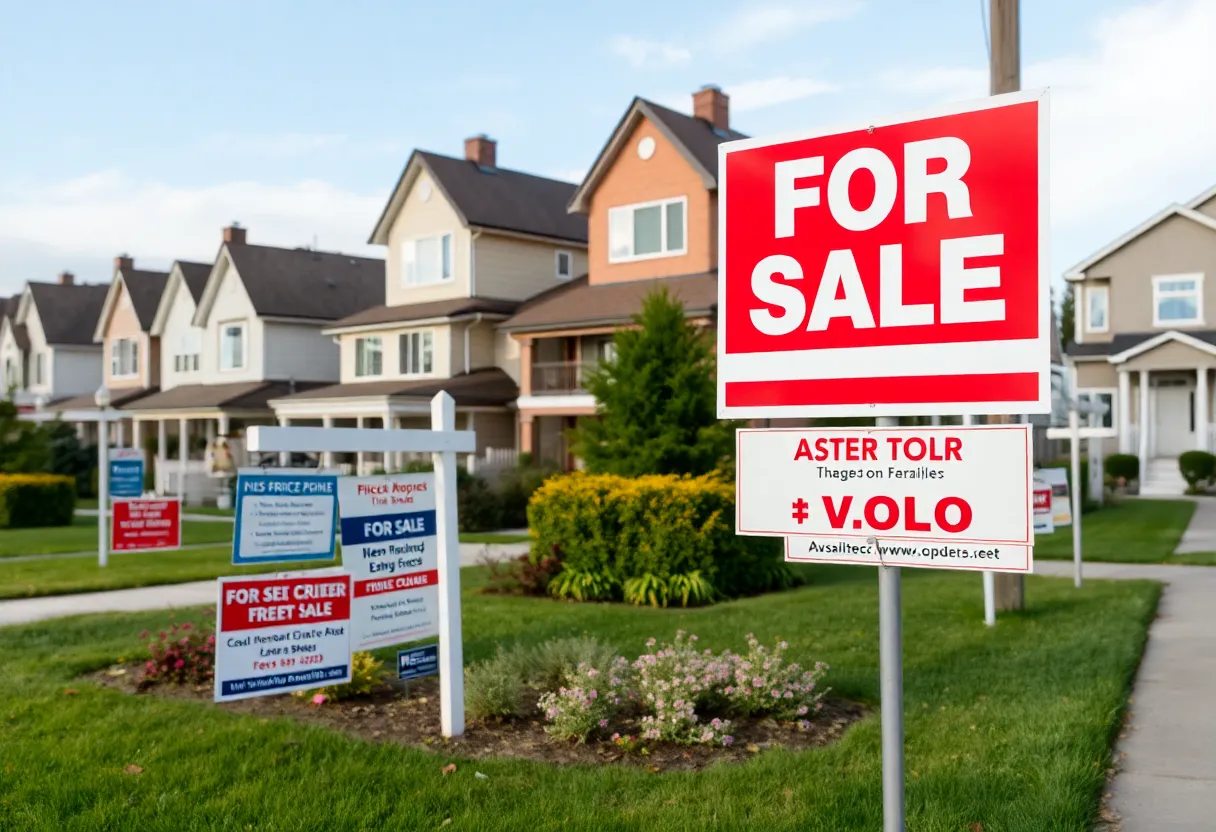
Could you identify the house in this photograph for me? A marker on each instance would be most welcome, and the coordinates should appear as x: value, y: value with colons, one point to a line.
x: 241, y: 332
x: 14, y: 351
x: 651, y: 204
x: 1145, y: 337
x: 51, y: 338
x: 467, y: 241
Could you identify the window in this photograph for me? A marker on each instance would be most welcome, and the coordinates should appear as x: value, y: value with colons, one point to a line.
x: 1098, y: 397
x: 232, y: 346
x: 427, y: 260
x: 369, y: 356
x: 416, y: 353
x: 10, y: 373
x: 606, y: 352
x: 565, y: 265
x: 1177, y: 299
x: 40, y: 369
x: 124, y: 358
x: 652, y: 229
x: 189, y: 352
x: 1097, y: 307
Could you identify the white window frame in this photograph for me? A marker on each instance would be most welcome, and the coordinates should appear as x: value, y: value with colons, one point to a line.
x: 116, y: 358
x: 222, y: 331
x: 631, y: 210
x: 1158, y: 296
x: 188, y: 356
x: 557, y: 264
x: 403, y: 365
x: 409, y: 260
x: 362, y: 353
x: 1092, y: 292
x: 1091, y: 419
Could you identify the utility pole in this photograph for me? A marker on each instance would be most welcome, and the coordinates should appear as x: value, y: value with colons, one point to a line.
x: 1004, y: 73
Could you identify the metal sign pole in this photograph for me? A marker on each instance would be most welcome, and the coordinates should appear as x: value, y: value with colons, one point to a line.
x: 1074, y: 425
x: 891, y: 687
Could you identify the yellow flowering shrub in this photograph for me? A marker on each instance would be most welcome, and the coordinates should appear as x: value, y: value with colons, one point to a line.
x: 31, y: 500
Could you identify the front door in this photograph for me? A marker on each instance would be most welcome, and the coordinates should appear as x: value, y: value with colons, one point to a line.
x: 1175, y: 420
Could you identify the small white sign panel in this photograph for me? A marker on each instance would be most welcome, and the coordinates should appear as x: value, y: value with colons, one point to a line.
x: 982, y: 557
x: 390, y: 549
x: 951, y: 484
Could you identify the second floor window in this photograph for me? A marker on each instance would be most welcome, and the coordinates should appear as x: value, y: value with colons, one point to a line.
x: 646, y: 230
x: 417, y: 353
x: 39, y: 369
x: 565, y: 265
x: 427, y: 260
x: 10, y: 373
x: 232, y: 346
x: 124, y: 357
x: 1177, y: 299
x: 189, y: 352
x: 1098, y: 301
x: 369, y: 357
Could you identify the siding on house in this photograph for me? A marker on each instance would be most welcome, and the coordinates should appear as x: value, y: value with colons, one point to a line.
x: 298, y: 351
x: 75, y: 371
x: 232, y: 304
x: 442, y: 366
x: 124, y: 324
x: 516, y: 269
x: 1171, y: 356
x: 178, y: 326
x: 424, y: 218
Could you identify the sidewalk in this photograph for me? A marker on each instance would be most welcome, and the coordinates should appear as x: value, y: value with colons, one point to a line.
x: 1167, y: 783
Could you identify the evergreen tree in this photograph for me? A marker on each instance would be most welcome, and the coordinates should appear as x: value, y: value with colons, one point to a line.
x: 1068, y: 317
x: 24, y: 448
x: 657, y: 400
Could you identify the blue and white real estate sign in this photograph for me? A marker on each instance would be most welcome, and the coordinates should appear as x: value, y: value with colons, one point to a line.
x: 284, y: 515
x: 390, y: 549
x: 418, y: 662
x: 126, y: 472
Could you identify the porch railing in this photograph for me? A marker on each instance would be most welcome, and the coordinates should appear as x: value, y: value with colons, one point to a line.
x: 557, y: 377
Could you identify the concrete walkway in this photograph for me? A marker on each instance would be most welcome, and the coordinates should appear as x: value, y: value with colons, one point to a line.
x: 1200, y: 534
x: 1167, y: 782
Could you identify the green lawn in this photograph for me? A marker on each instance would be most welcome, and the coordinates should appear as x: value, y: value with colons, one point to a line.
x: 81, y: 536
x: 1132, y: 531
x: 1007, y: 729
x: 493, y: 537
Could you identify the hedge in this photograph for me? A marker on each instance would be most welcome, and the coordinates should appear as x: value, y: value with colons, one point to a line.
x: 1196, y: 467
x: 1125, y: 466
x: 30, y: 500
x: 618, y: 529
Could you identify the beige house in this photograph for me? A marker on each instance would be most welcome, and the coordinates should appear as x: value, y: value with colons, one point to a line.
x: 467, y: 241
x: 1145, y: 337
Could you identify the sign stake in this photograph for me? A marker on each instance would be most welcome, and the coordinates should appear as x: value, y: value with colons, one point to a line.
x: 103, y: 489
x: 1074, y: 453
x: 451, y: 644
x: 891, y: 687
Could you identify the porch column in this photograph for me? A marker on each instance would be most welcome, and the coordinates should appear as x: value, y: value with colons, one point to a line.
x: 221, y: 424
x: 284, y: 456
x: 183, y: 454
x: 388, y: 460
x: 137, y: 434
x: 1201, y: 408
x: 120, y: 433
x: 525, y: 433
x: 1123, y: 418
x: 161, y: 454
x: 1143, y: 432
x: 211, y: 432
x: 82, y: 432
x: 359, y: 454
x: 327, y: 457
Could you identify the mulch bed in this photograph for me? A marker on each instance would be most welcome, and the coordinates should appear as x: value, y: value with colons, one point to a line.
x: 390, y: 716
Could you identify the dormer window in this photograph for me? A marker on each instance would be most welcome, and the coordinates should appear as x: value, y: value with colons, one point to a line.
x: 647, y: 230
x: 1177, y: 300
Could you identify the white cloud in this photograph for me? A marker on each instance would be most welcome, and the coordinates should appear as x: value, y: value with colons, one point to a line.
x: 640, y: 52
x: 754, y: 95
x: 947, y: 83
x: 753, y: 26
x: 94, y: 217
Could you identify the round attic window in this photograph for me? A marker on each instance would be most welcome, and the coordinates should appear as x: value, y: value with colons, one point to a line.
x: 424, y: 190
x: 646, y: 147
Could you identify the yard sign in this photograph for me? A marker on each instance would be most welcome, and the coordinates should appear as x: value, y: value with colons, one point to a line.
x: 126, y: 472
x: 893, y: 268
x: 284, y: 515
x: 144, y: 525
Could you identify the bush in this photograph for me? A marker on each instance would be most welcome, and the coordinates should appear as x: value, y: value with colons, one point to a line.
x: 36, y: 500
x: 589, y: 701
x: 184, y: 655
x: 494, y: 689
x: 553, y: 663
x: 479, y: 507
x: 1196, y: 467
x: 364, y: 679
x: 520, y: 576
x: 1123, y: 466
x: 609, y: 530
x: 515, y: 488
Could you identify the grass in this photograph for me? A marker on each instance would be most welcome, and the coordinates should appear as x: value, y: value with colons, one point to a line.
x: 493, y: 538
x: 1008, y: 729
x: 1131, y: 531
x: 81, y: 536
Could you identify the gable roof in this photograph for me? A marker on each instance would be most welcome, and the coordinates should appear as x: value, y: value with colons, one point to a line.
x: 297, y: 282
x: 194, y: 275
x: 492, y: 198
x: 144, y: 288
x: 582, y: 304
x: 1077, y: 272
x: 696, y: 139
x: 1195, y: 340
x: 68, y: 313
x: 1198, y: 200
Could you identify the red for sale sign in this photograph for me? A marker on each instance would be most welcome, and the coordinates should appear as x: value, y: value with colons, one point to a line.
x: 146, y: 525
x: 899, y: 268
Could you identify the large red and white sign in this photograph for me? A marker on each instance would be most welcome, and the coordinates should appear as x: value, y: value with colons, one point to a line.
x: 927, y: 496
x: 899, y: 267
x: 145, y: 525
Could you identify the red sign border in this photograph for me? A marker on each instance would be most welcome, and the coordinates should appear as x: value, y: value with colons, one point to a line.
x: 1041, y: 97
x: 114, y: 547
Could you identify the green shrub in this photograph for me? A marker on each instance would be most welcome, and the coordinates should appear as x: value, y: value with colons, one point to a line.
x: 577, y: 585
x: 494, y: 689
x: 1196, y: 467
x: 479, y: 507
x: 610, y: 529
x: 553, y: 663
x: 35, y: 500
x: 1123, y: 466
x: 516, y: 487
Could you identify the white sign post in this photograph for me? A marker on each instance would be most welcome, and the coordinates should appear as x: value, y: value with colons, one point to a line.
x: 1074, y: 433
x: 443, y: 442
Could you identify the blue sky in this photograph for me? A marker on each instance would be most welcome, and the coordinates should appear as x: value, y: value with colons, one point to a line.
x: 144, y: 127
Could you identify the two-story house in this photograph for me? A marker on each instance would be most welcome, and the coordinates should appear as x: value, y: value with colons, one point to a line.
x: 1145, y: 337
x: 250, y: 334
x: 651, y: 204
x: 14, y: 352
x: 467, y: 242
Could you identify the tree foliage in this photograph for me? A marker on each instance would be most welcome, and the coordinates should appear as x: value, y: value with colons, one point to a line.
x: 1068, y: 317
x: 657, y: 400
x: 24, y: 446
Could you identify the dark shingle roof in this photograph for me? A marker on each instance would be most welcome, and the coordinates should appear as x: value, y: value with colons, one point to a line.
x: 301, y: 283
x: 240, y: 395
x: 507, y: 199
x: 609, y: 304
x: 1126, y: 340
x: 195, y: 275
x: 118, y: 399
x: 144, y: 289
x: 696, y: 135
x: 422, y: 311
x: 22, y: 336
x: 69, y: 313
x: 480, y: 388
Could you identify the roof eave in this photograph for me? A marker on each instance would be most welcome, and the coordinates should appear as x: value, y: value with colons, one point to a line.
x: 223, y: 261
x: 524, y: 235
x: 1077, y: 272
x: 432, y: 321
x: 590, y: 324
x: 107, y: 308
x: 161, y: 319
x: 401, y: 190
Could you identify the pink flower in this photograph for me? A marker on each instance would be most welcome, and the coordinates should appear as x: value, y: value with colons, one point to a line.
x: 727, y: 740
x: 616, y: 737
x: 319, y: 699
x: 603, y: 723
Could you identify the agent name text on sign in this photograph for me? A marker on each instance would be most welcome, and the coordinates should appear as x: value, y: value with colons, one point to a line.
x: 146, y: 524
x: 286, y: 516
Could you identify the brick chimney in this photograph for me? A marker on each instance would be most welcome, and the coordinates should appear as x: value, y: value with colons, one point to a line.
x: 234, y: 234
x: 482, y: 150
x: 67, y: 279
x: 123, y: 261
x: 711, y: 104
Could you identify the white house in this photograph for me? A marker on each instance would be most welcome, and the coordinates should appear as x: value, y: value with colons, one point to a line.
x: 50, y: 338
